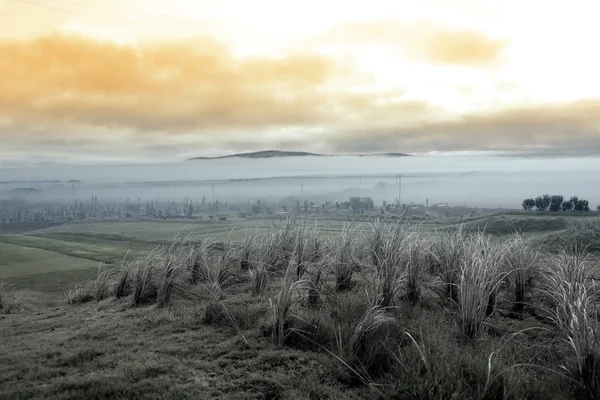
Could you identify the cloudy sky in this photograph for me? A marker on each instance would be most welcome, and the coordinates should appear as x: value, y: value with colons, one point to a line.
x: 165, y: 80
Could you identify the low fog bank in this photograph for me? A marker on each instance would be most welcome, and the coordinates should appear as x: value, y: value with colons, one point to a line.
x: 456, y: 180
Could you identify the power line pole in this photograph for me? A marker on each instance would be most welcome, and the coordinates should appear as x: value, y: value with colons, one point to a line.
x: 302, y: 186
x: 399, y: 189
x: 213, y: 191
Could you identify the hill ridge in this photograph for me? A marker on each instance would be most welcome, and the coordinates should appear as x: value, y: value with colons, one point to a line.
x: 278, y: 153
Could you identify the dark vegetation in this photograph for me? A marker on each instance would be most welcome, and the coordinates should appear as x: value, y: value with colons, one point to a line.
x: 556, y: 203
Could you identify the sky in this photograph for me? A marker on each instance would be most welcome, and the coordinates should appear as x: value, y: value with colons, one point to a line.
x: 153, y: 80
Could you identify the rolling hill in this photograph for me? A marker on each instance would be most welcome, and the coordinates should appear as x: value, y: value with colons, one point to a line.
x: 276, y: 153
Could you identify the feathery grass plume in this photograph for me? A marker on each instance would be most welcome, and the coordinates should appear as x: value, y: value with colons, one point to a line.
x: 221, y: 276
x: 144, y: 287
x: 377, y: 237
x: 268, y: 253
x: 123, y: 286
x: 522, y: 263
x: 412, y: 259
x: 480, y: 278
x: 102, y: 283
x: 448, y: 252
x: 10, y: 301
x: 284, y: 240
x: 247, y: 250
x: 259, y: 277
x: 81, y: 293
x: 173, y: 258
x: 343, y: 261
x: 200, y: 258
x: 388, y: 279
x: 574, y: 311
x: 289, y: 295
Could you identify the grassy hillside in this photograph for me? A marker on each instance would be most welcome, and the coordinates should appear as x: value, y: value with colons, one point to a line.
x: 384, y: 311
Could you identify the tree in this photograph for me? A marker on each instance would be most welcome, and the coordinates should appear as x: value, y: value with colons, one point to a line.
x: 556, y: 202
x: 539, y: 203
x: 567, y: 205
x: 528, y: 204
x: 546, y: 200
x: 582, y: 205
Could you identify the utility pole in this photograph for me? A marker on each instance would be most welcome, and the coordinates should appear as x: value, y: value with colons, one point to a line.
x: 302, y: 186
x: 399, y: 178
x: 399, y: 189
x: 213, y: 191
x: 73, y: 185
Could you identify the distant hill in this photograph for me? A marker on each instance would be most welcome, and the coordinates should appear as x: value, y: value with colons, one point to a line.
x: 276, y: 153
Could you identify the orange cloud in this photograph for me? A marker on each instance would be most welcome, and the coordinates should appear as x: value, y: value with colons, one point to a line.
x: 425, y: 41
x: 172, y: 86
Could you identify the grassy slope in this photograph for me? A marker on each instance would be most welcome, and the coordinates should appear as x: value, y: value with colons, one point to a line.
x: 117, y: 352
x: 21, y: 261
x: 112, y: 350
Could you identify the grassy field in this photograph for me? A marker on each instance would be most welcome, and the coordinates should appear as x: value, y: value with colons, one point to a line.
x: 302, y: 311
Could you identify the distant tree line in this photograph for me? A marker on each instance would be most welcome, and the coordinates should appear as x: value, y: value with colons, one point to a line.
x: 556, y: 203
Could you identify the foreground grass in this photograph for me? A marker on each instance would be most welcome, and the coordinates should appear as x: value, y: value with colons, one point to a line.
x: 398, y: 312
x: 113, y: 351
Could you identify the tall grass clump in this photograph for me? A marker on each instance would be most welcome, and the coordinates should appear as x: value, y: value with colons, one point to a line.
x: 173, y: 258
x: 574, y: 310
x: 221, y: 275
x: 123, y: 285
x: 200, y: 259
x: 102, y: 283
x: 412, y: 257
x: 290, y: 294
x: 144, y: 287
x: 284, y: 240
x: 247, y: 250
x: 388, y: 278
x: 81, y: 293
x: 342, y: 257
x: 448, y: 251
x: 376, y: 241
x: 314, y: 284
x: 480, y: 278
x: 10, y: 300
x: 259, y: 278
x: 522, y: 264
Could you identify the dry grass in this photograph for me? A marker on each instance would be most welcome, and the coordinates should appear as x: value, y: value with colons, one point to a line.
x: 574, y: 310
x: 480, y: 277
x: 305, y: 289
x: 10, y: 299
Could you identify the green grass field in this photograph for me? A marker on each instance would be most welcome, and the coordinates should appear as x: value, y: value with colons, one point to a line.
x: 63, y: 255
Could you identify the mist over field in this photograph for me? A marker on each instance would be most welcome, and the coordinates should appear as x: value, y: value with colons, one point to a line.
x: 485, y: 181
